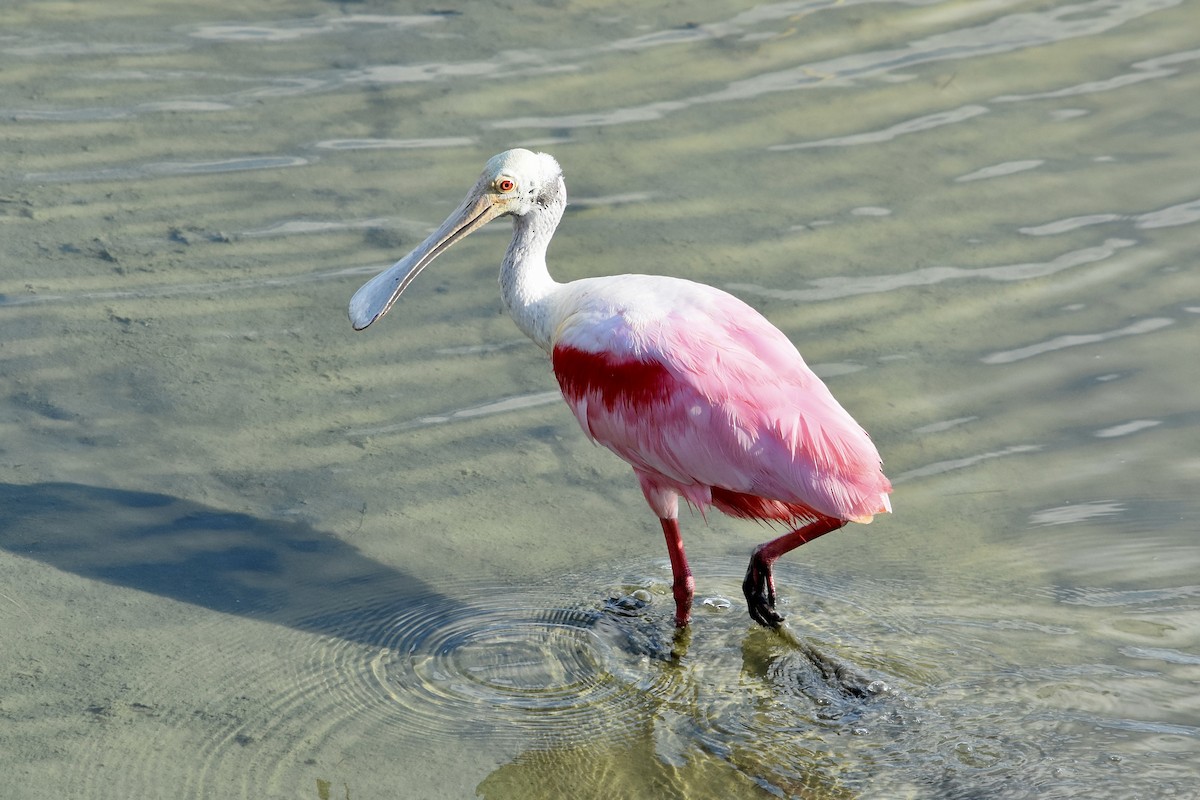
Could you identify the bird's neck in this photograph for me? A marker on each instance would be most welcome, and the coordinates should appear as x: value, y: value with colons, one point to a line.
x: 525, y: 283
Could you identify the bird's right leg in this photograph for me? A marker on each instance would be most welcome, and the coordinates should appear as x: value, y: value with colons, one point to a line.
x: 684, y: 586
x: 759, y: 584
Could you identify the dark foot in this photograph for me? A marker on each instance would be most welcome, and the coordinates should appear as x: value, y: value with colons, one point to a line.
x: 759, y: 588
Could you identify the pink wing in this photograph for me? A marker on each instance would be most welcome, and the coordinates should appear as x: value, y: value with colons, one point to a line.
x: 712, y: 401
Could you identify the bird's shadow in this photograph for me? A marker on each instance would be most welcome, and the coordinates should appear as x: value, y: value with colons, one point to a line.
x: 280, y: 571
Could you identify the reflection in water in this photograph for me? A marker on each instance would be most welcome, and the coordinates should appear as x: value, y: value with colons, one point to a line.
x: 630, y: 769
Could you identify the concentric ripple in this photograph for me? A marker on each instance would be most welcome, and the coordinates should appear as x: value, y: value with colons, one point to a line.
x: 513, y: 669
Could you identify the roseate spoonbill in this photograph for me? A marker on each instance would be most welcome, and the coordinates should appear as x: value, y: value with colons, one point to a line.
x: 695, y: 389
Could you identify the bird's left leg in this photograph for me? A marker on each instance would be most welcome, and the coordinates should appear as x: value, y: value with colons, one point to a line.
x: 684, y: 586
x: 759, y: 585
x: 665, y: 503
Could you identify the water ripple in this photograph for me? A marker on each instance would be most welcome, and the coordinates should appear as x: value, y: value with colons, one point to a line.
x: 287, y: 31
x: 1172, y: 216
x: 837, y: 287
x: 1138, y: 328
x: 1079, y: 512
x: 520, y: 402
x: 529, y: 671
x: 950, y: 465
x: 944, y: 425
x: 1186, y: 213
x: 394, y: 144
x: 72, y: 49
x: 1164, y: 654
x: 169, y: 168
x: 1105, y: 597
x: 189, y: 289
x: 1000, y: 170
x: 1070, y: 224
x: 1126, y: 428
x: 1150, y: 69
x: 915, y: 125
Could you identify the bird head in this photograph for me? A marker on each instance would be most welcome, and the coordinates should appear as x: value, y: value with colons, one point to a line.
x: 515, y: 183
x: 519, y: 180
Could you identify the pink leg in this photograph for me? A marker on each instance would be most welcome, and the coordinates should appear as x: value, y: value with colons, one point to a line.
x: 685, y: 585
x: 759, y: 585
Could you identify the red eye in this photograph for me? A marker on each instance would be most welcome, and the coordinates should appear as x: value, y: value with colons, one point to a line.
x: 505, y: 185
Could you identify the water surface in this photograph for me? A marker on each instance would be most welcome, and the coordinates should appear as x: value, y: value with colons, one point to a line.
x: 246, y: 552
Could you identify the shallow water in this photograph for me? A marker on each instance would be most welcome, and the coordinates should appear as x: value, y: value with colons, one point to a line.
x: 246, y: 552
